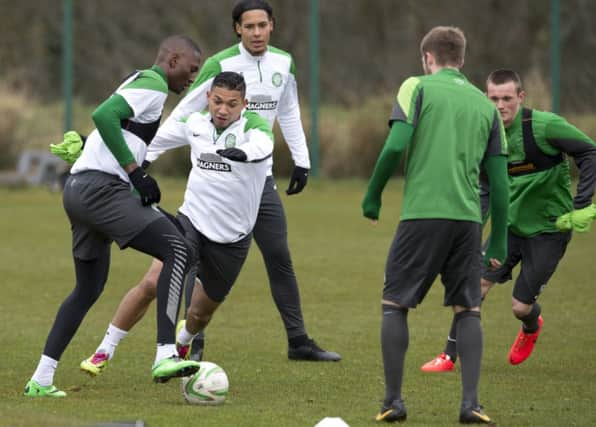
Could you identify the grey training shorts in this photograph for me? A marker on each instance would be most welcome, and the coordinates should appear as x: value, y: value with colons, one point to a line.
x: 219, y: 263
x: 422, y: 249
x: 539, y: 256
x: 102, y: 208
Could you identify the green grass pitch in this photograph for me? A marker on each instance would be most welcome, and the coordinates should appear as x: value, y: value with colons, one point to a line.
x: 339, y: 259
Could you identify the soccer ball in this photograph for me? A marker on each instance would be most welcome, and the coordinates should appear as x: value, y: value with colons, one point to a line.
x: 208, y: 386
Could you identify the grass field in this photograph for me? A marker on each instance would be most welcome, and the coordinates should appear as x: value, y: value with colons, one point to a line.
x: 339, y: 259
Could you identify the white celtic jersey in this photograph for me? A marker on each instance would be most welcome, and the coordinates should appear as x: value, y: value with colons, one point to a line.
x: 270, y: 90
x: 145, y: 92
x: 222, y: 196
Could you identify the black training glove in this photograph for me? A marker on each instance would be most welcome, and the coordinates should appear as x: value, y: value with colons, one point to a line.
x: 146, y: 186
x: 297, y: 181
x: 145, y: 165
x: 235, y: 154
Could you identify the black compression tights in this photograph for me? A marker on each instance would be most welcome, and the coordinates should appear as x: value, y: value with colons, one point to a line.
x: 91, y: 277
x: 161, y: 240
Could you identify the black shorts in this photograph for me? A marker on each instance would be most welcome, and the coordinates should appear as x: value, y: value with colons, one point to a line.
x: 219, y: 263
x: 102, y: 208
x: 539, y: 256
x: 422, y: 249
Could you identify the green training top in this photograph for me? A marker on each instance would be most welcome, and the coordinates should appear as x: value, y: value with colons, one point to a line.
x: 537, y: 199
x: 455, y: 128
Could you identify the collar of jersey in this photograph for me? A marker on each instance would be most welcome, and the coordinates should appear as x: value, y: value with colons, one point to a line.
x: 452, y: 72
x: 159, y: 71
x: 245, y: 53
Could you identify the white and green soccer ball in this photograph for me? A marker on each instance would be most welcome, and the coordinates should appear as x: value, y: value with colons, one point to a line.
x: 208, y: 386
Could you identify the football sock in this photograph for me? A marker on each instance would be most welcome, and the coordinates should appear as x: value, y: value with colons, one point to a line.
x: 469, y: 347
x: 530, y: 322
x: 184, y: 337
x: 450, y: 346
x: 44, y: 374
x: 164, y: 351
x: 298, y: 341
x: 394, y: 344
x: 111, y: 340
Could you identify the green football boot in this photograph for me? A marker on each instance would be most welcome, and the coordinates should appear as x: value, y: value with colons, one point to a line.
x: 33, y: 389
x: 173, y: 367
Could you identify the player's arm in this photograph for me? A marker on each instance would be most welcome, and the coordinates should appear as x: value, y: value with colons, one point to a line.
x: 402, y: 121
x: 107, y: 118
x: 484, y: 196
x: 567, y: 138
x: 495, y: 165
x: 172, y: 132
x: 398, y: 139
x: 290, y: 122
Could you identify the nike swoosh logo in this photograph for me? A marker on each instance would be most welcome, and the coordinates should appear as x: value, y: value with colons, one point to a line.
x: 382, y: 416
x: 483, y: 417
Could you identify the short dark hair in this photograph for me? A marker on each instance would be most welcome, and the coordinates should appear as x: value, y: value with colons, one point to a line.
x: 447, y: 44
x: 231, y: 81
x: 246, y: 5
x: 192, y: 44
x: 502, y: 76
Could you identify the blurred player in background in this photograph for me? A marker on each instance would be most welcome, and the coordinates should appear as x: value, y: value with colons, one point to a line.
x: 449, y: 130
x: 542, y: 211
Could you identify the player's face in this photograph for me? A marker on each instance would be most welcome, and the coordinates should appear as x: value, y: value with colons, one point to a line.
x: 254, y: 30
x: 183, y: 69
x: 225, y: 106
x: 506, y: 99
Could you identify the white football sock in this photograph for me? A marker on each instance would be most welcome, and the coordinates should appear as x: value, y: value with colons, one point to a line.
x: 44, y: 374
x: 164, y: 351
x: 184, y: 337
x: 111, y: 340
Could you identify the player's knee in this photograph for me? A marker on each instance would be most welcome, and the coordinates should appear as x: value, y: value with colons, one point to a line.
x: 277, y: 250
x: 148, y: 287
x: 179, y: 251
x: 520, y: 309
x: 198, y: 316
x: 148, y: 284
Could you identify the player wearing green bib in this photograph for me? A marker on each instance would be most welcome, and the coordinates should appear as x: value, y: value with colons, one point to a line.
x: 540, y: 189
x: 449, y: 130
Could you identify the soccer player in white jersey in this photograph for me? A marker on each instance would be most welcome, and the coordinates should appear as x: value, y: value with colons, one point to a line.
x: 271, y: 91
x: 102, y: 208
x: 229, y: 151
